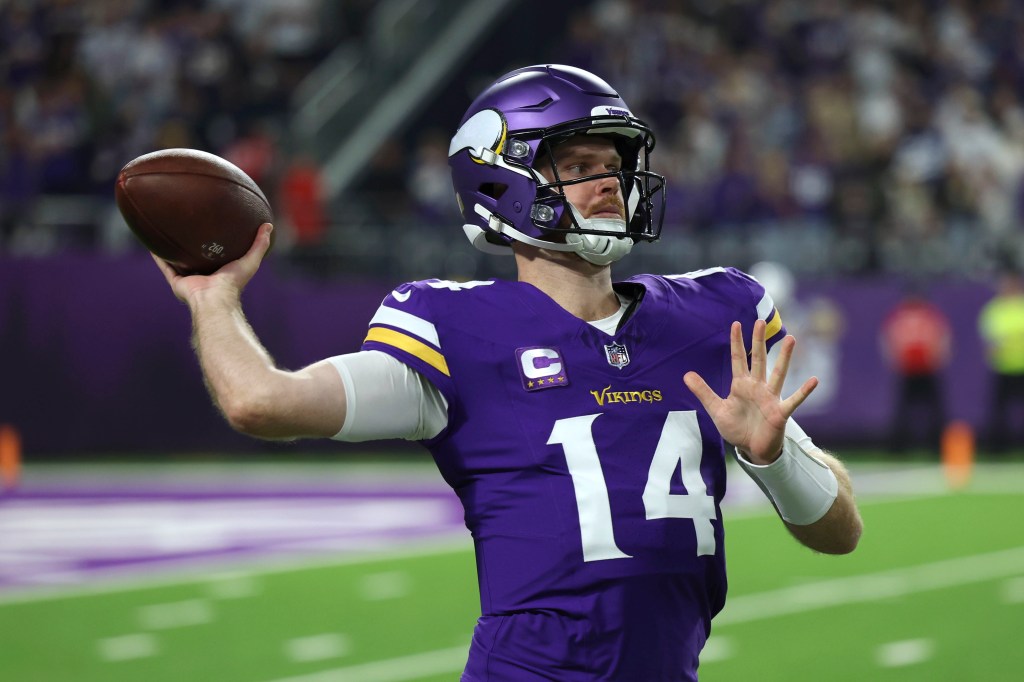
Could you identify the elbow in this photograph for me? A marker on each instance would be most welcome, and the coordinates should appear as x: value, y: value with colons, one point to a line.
x: 844, y: 543
x: 853, y: 539
x: 250, y: 415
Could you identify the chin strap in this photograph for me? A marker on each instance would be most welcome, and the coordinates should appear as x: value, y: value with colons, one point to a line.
x: 599, y: 249
x: 594, y: 248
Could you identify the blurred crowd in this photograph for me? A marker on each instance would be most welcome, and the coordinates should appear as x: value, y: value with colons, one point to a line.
x: 890, y: 125
x: 87, y: 86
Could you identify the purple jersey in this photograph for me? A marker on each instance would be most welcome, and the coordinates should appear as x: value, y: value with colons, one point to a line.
x: 590, y: 475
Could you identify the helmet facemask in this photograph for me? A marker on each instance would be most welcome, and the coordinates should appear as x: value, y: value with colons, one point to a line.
x: 599, y: 240
x: 641, y: 190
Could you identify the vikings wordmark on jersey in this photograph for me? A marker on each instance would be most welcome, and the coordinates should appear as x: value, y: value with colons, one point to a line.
x: 590, y: 476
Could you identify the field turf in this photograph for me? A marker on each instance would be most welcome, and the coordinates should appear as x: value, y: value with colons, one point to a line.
x: 934, y: 592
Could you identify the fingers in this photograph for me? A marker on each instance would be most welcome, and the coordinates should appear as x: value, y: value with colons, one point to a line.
x: 738, y: 351
x: 245, y: 267
x: 261, y: 244
x: 794, y: 401
x: 168, y: 272
x: 781, y: 369
x: 758, y: 352
x: 707, y: 397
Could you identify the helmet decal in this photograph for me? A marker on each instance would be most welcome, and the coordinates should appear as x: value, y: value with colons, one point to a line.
x: 605, y: 110
x: 483, y: 135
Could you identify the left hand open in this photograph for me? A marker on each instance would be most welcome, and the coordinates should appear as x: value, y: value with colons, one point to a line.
x: 753, y: 416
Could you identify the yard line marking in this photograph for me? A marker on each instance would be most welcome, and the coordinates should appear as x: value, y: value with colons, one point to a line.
x: 127, y: 647
x: 1013, y: 591
x: 387, y: 585
x: 414, y: 667
x: 904, y: 653
x: 872, y: 586
x: 718, y: 648
x: 175, y: 614
x: 232, y: 585
x: 318, y: 647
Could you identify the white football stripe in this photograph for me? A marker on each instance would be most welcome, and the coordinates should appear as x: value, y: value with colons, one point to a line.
x: 407, y: 322
x: 765, y: 307
x: 694, y: 274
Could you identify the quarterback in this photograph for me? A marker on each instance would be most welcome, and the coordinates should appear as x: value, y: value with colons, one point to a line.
x: 583, y: 422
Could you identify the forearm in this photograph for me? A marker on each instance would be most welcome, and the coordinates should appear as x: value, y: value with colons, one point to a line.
x: 811, y: 491
x: 238, y: 371
x: 839, y: 530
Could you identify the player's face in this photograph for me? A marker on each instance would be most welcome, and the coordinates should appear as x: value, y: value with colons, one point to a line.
x: 579, y: 157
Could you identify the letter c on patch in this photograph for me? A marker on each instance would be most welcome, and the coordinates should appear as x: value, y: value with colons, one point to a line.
x: 540, y: 362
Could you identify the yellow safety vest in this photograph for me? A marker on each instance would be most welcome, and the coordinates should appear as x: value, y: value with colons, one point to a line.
x: 1001, y: 324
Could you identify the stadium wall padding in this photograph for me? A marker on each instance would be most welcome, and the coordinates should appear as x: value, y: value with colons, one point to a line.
x: 95, y: 353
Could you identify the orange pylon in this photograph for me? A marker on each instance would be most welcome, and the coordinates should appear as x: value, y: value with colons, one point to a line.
x: 957, y: 453
x: 10, y: 456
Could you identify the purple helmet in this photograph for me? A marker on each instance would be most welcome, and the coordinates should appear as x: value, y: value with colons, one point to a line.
x: 518, y: 120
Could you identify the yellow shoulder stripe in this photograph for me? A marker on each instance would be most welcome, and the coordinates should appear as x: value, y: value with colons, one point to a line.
x: 774, y: 325
x: 409, y: 345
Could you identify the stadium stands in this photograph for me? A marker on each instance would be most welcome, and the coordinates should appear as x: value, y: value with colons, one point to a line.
x: 852, y: 136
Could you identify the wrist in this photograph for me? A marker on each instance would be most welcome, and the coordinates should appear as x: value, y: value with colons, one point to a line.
x: 801, y: 487
x: 756, y: 460
x: 213, y: 297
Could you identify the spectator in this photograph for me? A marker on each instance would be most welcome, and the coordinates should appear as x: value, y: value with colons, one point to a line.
x: 301, y: 203
x: 916, y: 341
x: 1001, y: 324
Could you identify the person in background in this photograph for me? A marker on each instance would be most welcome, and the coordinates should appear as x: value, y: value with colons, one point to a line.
x: 916, y: 339
x: 1001, y: 324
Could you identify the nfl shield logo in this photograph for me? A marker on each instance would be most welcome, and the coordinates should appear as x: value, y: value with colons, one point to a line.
x: 617, y: 355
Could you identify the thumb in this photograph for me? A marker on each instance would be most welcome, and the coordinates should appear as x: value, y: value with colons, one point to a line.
x: 261, y: 244
x: 708, y: 398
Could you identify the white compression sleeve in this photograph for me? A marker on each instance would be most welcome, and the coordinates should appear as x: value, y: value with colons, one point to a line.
x: 800, y: 486
x: 386, y: 398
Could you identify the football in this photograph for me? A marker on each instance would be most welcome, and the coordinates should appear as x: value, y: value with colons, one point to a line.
x: 193, y: 209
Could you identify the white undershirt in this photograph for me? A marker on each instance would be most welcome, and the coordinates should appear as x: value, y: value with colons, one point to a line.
x: 386, y: 398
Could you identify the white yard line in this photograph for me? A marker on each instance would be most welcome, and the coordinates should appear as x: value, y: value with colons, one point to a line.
x: 898, y: 582
x: 414, y: 667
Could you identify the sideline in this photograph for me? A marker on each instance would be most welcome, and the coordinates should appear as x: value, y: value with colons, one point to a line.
x: 244, y: 567
x: 876, y: 484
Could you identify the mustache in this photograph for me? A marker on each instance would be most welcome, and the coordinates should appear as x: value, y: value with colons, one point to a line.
x: 614, y: 205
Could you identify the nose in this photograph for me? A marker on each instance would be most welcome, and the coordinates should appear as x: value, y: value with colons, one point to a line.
x: 609, y: 185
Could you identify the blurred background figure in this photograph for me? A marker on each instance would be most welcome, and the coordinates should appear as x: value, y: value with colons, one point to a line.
x: 816, y: 323
x: 1001, y: 324
x: 916, y: 340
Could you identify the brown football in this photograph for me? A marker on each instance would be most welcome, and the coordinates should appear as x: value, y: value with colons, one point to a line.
x: 191, y: 208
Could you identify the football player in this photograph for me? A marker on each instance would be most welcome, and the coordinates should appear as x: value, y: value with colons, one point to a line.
x: 582, y: 422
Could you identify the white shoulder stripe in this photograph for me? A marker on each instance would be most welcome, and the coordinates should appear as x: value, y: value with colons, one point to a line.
x: 696, y: 273
x: 407, y: 322
x: 765, y: 307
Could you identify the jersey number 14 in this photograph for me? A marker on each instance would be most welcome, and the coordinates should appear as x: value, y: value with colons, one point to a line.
x: 679, y: 445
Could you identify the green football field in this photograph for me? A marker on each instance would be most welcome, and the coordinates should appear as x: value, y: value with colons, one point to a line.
x: 934, y: 592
